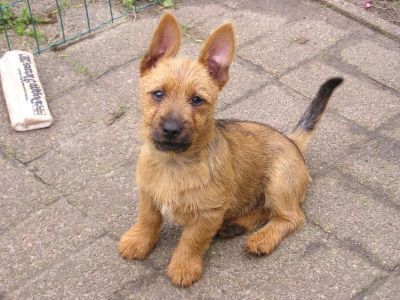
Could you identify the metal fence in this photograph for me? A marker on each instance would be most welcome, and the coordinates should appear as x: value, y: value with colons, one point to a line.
x: 26, y: 23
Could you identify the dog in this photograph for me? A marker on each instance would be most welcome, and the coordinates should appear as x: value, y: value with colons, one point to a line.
x: 213, y: 177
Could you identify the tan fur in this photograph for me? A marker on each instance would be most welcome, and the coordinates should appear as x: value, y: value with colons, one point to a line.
x: 239, y: 172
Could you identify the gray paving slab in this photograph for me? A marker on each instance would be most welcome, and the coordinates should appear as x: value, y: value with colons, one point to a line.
x: 243, y: 80
x: 390, y: 289
x: 356, y: 215
x: 94, y: 272
x: 123, y: 82
x: 20, y: 193
x: 111, y: 200
x: 56, y: 75
x: 307, y: 265
x: 291, y: 45
x: 42, y: 240
x: 375, y: 60
x: 376, y: 165
x: 282, y: 109
x: 359, y: 100
x: 392, y: 128
x: 112, y: 47
x: 79, y: 110
x: 52, y: 247
x: 245, y: 22
x: 95, y: 151
x: 271, y: 104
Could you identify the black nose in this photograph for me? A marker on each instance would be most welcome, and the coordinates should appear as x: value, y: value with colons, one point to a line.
x: 172, y: 128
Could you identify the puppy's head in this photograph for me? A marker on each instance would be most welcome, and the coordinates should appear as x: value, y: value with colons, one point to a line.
x: 178, y: 95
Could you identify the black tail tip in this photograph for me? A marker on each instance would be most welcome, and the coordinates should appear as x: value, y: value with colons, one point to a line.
x: 333, y: 83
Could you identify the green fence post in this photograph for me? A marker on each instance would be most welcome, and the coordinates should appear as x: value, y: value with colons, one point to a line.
x: 5, y: 28
x: 87, y: 16
x: 111, y: 12
x: 61, y: 20
x: 34, y: 26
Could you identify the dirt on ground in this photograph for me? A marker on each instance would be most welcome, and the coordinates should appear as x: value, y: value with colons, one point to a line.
x: 73, y: 14
x: 386, y: 9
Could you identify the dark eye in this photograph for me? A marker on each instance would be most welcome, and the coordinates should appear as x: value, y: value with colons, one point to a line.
x: 158, y: 95
x: 196, y: 101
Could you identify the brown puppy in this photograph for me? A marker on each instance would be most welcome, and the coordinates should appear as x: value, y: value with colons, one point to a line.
x: 211, y: 176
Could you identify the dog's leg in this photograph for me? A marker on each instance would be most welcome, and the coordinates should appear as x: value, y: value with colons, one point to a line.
x: 284, y: 198
x: 248, y: 222
x: 140, y: 239
x: 186, y: 264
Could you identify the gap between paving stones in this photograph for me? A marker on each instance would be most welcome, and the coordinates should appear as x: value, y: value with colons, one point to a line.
x: 92, y: 81
x: 376, y: 192
x: 338, y: 63
x: 333, y: 58
x: 63, y: 196
x: 350, y: 244
x: 376, y: 283
x: 60, y: 262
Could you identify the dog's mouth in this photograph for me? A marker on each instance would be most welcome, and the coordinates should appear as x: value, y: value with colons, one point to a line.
x: 171, y: 146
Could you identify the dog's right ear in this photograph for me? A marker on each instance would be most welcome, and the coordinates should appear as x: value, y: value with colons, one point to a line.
x: 165, y: 43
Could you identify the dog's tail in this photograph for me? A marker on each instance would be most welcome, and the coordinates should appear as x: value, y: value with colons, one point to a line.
x: 303, y: 131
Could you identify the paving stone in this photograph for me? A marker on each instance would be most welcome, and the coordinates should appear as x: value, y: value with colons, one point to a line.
x: 123, y: 82
x: 356, y: 99
x: 83, y: 157
x: 42, y: 240
x: 95, y: 272
x: 244, y: 22
x: 304, y: 257
x: 376, y: 165
x: 56, y: 75
x: 20, y: 193
x: 390, y: 289
x: 378, y: 62
x: 111, y: 200
x: 282, y: 110
x: 113, y: 47
x: 290, y: 46
x: 349, y: 211
x: 193, y: 15
x: 242, y: 81
x: 272, y: 105
x: 392, y: 128
x: 81, y: 109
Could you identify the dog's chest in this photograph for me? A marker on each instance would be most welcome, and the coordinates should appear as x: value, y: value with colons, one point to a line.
x: 176, y: 189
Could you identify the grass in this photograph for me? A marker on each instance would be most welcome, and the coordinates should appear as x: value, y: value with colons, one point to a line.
x: 78, y: 67
x: 20, y: 23
x: 165, y: 3
x: 117, y: 114
x: 187, y: 31
x: 9, y: 153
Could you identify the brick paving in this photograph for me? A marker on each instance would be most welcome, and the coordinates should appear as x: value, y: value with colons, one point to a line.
x: 68, y: 192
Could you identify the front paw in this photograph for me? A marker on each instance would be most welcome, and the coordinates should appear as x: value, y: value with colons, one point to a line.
x: 184, y: 272
x: 134, y: 246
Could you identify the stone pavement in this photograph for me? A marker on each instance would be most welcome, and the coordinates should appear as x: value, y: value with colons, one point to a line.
x: 67, y: 193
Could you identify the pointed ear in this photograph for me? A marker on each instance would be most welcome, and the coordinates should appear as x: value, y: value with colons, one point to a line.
x: 218, y: 52
x: 165, y: 42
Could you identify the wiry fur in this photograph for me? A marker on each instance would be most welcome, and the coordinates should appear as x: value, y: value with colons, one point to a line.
x: 235, y: 176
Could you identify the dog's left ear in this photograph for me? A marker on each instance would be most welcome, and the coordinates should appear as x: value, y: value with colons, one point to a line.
x: 218, y: 52
x: 165, y: 43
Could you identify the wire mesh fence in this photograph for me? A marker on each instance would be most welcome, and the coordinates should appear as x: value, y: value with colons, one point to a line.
x: 39, y: 25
